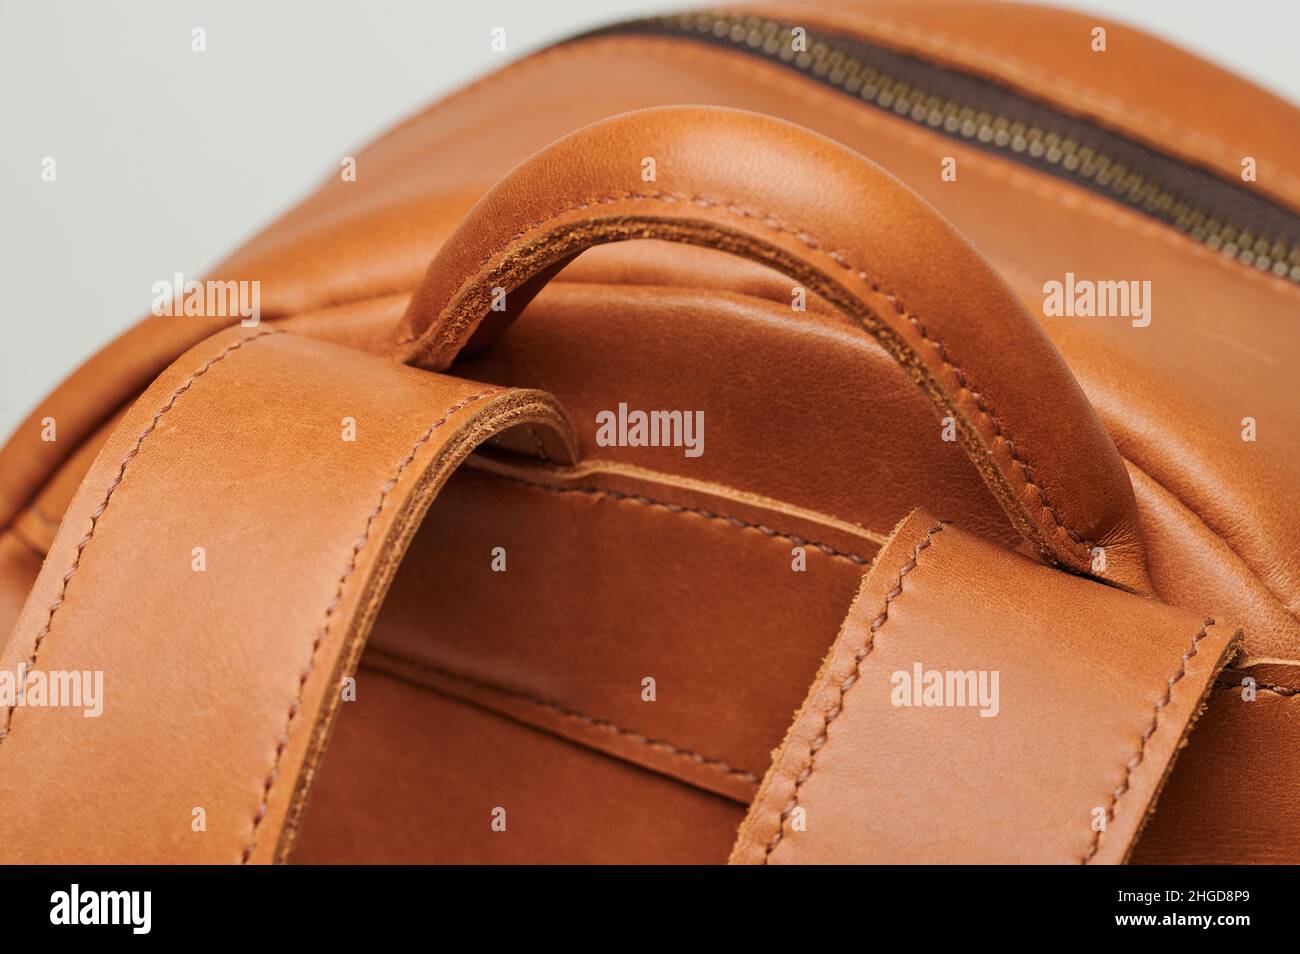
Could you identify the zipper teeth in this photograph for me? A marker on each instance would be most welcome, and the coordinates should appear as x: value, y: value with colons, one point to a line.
x: 844, y: 71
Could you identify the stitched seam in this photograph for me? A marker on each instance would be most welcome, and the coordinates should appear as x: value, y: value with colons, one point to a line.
x: 1286, y: 692
x: 831, y: 714
x: 1150, y: 730
x: 681, y: 509
x: 839, y: 258
x: 1076, y: 198
x: 568, y: 712
x: 998, y: 62
x: 1070, y: 197
x: 102, y: 509
x: 611, y: 46
x: 283, y: 742
x: 816, y: 95
x: 541, y: 445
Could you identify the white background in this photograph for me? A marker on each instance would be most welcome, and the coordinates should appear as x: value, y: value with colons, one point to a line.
x: 168, y: 159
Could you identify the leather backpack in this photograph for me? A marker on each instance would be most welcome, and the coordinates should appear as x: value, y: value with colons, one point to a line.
x: 854, y: 432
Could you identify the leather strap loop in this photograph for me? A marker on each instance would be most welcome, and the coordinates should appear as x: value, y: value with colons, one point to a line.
x: 222, y: 563
x: 844, y: 229
x: 981, y: 708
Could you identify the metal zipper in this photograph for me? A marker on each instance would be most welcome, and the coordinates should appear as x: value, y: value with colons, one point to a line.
x: 1217, y: 212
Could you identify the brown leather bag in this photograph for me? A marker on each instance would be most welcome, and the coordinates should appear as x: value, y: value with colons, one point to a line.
x: 434, y: 562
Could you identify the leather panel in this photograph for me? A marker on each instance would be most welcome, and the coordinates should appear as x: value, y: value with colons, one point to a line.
x: 1096, y: 690
x: 228, y: 451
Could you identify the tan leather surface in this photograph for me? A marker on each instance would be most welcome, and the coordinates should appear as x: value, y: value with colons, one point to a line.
x: 819, y: 390
x: 375, y: 804
x: 1021, y: 221
x: 1147, y: 87
x: 813, y: 428
x: 775, y: 193
x: 237, y: 448
x: 115, y: 376
x: 591, y: 603
x: 1097, y: 690
x: 20, y: 561
x: 1195, y: 568
x: 1232, y: 799
x: 1015, y: 218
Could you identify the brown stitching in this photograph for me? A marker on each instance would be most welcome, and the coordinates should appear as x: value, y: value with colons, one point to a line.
x: 653, y: 195
x: 108, y: 496
x: 1140, y: 754
x: 1075, y: 198
x: 817, y: 96
x: 831, y: 714
x: 702, y: 201
x: 1286, y: 692
x: 697, y: 511
x: 603, y: 724
x: 613, y: 46
x: 1072, y: 198
x: 357, y: 547
x: 1030, y: 479
x: 541, y: 444
x: 840, y: 259
x: 1000, y: 63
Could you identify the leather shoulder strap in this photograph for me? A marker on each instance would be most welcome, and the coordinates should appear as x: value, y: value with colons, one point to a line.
x: 980, y: 707
x: 221, y: 565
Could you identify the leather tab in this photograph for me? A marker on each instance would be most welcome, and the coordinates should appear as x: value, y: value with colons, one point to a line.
x: 1048, y: 712
x: 222, y: 565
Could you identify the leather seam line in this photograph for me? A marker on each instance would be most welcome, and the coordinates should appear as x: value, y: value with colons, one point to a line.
x: 1068, y: 197
x: 114, y: 484
x: 404, y: 292
x: 831, y: 714
x: 1286, y: 692
x: 323, y: 631
x: 673, y: 285
x: 718, y: 765
x: 996, y: 64
x: 736, y: 522
x: 815, y: 94
x: 541, y: 444
x: 839, y: 258
x: 1150, y: 730
x: 607, y: 45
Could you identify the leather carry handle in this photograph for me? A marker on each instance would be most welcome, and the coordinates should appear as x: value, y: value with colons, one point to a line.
x: 843, y: 228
